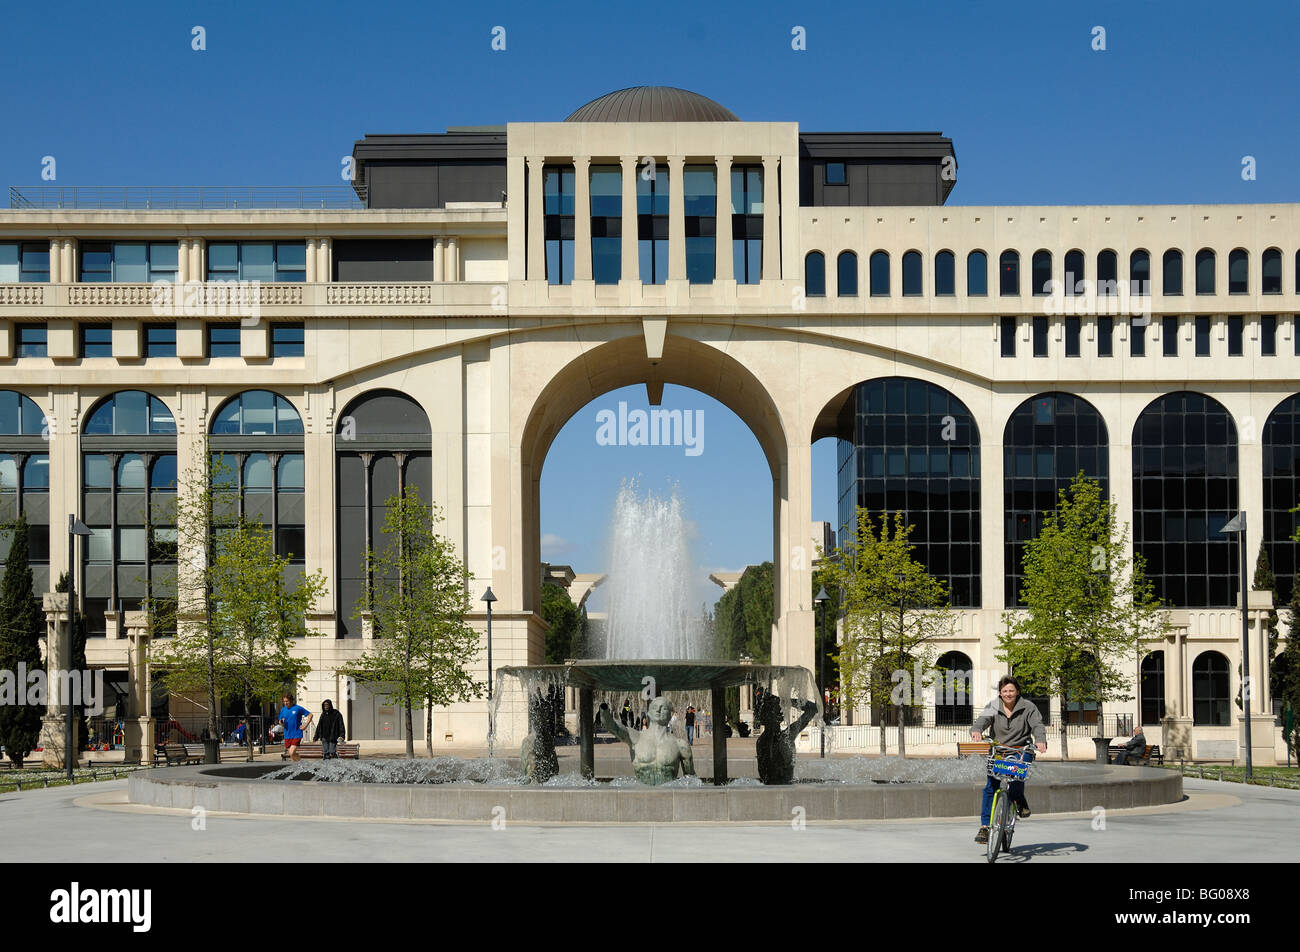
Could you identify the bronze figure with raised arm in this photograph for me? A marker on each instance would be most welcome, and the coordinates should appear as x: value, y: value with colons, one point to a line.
x: 774, y: 749
x: 656, y: 754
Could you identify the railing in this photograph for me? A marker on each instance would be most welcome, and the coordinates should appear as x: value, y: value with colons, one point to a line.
x: 378, y: 294
x: 185, y: 197
x: 22, y: 293
x: 192, y: 729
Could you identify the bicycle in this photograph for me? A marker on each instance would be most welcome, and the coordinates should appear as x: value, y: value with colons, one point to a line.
x: 1002, y: 818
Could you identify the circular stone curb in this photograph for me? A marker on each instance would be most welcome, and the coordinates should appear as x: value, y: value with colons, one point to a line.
x: 231, y: 789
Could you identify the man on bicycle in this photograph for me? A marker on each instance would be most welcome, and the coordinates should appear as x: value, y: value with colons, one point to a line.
x: 1014, y: 722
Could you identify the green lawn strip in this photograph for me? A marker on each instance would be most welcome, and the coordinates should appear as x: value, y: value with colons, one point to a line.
x: 1261, y: 776
x: 37, y: 779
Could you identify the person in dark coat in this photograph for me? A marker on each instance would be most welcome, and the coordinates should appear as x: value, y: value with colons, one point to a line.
x: 329, y: 731
x: 1133, y: 747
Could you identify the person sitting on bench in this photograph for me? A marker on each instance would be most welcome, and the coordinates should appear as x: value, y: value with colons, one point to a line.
x: 1135, y: 745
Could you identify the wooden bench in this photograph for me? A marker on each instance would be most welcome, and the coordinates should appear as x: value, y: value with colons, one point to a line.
x: 225, y: 753
x: 1150, y: 755
x: 312, y: 751
x: 181, y: 753
x: 974, y: 748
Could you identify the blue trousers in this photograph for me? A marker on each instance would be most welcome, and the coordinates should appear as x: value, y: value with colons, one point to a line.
x: 991, y: 786
x: 690, y: 733
x: 329, y: 748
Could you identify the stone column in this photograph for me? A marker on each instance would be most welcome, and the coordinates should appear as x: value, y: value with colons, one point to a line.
x: 536, y: 221
x: 631, y: 259
x: 676, y: 219
x: 992, y: 565
x: 581, y: 218
x: 58, y: 658
x: 451, y: 262
x: 324, y: 259
x: 723, y: 265
x: 137, y: 726
x: 439, y: 252
x: 56, y: 261
x: 516, y: 190
x: 771, y: 219
x: 311, y: 259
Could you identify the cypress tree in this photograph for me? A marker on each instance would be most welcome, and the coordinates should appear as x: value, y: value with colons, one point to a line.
x: 21, y: 627
x: 78, y: 649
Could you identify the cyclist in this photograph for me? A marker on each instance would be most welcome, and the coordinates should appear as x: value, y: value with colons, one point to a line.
x: 1014, y: 722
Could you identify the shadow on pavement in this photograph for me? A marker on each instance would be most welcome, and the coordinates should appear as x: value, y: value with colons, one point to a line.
x: 1023, y: 853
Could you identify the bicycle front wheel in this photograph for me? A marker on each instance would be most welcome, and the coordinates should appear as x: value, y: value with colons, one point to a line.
x: 997, y: 821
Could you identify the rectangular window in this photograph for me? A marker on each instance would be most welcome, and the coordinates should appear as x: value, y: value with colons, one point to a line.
x: 700, y: 197
x: 160, y: 340
x: 266, y: 261
x: 836, y: 173
x: 1268, y: 335
x: 1202, y: 337
x: 133, y: 262
x: 1105, y: 337
x: 1040, y: 337
x: 286, y: 340
x: 9, y: 257
x: 1007, y: 334
x: 557, y: 196
x: 31, y: 340
x: 1234, y: 335
x: 747, y: 223
x: 1169, y: 335
x: 606, y: 185
x: 1137, y: 338
x: 1072, y: 326
x: 652, y: 226
x: 96, y: 340
x: 34, y: 262
x: 223, y: 340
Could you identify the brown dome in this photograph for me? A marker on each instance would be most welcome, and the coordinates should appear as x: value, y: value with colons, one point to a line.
x: 653, y: 104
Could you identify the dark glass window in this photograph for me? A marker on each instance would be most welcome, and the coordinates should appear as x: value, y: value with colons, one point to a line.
x: 1203, y: 336
x: 266, y: 261
x: 1281, y: 451
x: 835, y: 173
x: 945, y: 274
x: 1042, y: 272
x: 880, y: 274
x: 847, y: 268
x: 1235, y: 323
x: 257, y: 413
x: 977, y: 274
x: 700, y: 195
x: 1205, y: 271
x: 912, y: 274
x: 1074, y: 272
x: 606, y: 191
x: 814, y: 274
x: 130, y: 413
x: 652, y: 225
x: 1139, y: 274
x: 1107, y: 274
x: 20, y: 416
x: 915, y: 449
x: 1184, y: 492
x: 1009, y: 274
x: 1007, y: 336
x: 96, y: 340
x: 287, y: 340
x: 1137, y: 337
x: 1211, y: 691
x: 31, y: 340
x: 1238, y: 271
x: 1048, y: 440
x: 1151, y: 692
x: 954, y: 700
x: 33, y: 262
x: 557, y: 207
x: 135, y: 262
x: 747, y: 222
x: 160, y: 340
x: 1173, y: 273
x: 1169, y: 335
x: 223, y: 340
x: 1072, y: 328
x: 1105, y: 337
x: 1268, y: 335
x: 1271, y: 271
x: 1040, y: 337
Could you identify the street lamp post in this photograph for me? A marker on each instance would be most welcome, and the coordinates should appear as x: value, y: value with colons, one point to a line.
x: 76, y: 528
x: 821, y: 598
x: 1237, y: 526
x: 489, y: 598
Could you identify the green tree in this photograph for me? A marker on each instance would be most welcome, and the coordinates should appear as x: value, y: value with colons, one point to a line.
x: 1286, y: 675
x: 743, y: 616
x: 565, y: 633
x: 420, y: 597
x: 893, y: 609
x: 22, y: 625
x: 1088, y: 609
x: 824, y: 658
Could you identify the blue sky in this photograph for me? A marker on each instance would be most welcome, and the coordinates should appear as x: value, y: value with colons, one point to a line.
x: 1182, y: 92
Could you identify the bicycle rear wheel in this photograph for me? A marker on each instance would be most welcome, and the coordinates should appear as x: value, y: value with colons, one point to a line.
x: 997, y: 820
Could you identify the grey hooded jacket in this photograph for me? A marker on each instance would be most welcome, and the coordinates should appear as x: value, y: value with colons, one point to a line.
x: 1016, y: 731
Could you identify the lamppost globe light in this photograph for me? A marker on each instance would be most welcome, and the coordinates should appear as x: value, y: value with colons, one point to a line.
x: 76, y: 529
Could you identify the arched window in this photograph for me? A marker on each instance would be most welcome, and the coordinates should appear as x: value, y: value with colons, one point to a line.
x: 880, y: 274
x: 256, y: 435
x: 1042, y: 272
x: 1048, y: 439
x: 1075, y: 271
x: 1281, y: 451
x: 847, y: 268
x: 1081, y: 708
x: 1211, y: 690
x: 1184, y: 492
x: 1205, y: 271
x: 945, y: 274
x: 384, y: 447
x: 912, y: 274
x: 917, y: 449
x: 953, y: 703
x: 1238, y: 271
x: 977, y: 274
x: 1139, y: 273
x: 128, y: 458
x: 1151, y: 691
x: 25, y: 481
x: 1009, y: 274
x: 1107, y: 273
x: 1271, y: 271
x: 1173, y: 272
x: 814, y: 274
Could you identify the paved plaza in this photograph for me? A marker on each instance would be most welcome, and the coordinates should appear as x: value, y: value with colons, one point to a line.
x: 94, y: 823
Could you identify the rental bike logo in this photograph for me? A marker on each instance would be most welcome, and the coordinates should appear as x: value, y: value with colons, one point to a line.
x: 33, y: 688
x: 102, y: 906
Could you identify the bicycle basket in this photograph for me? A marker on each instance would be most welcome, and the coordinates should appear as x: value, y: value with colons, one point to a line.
x: 1011, y: 769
